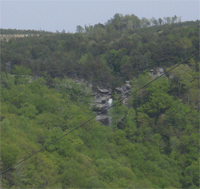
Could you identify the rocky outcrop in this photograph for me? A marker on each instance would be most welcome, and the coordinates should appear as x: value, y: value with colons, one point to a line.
x: 159, y: 72
x: 102, y: 100
x: 124, y: 91
x: 7, y: 37
x: 103, y: 119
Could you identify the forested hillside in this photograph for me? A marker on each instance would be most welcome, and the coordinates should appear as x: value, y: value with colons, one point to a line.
x: 153, y: 140
x: 117, y: 51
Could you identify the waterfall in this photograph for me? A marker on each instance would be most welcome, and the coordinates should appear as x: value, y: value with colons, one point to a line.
x: 110, y: 101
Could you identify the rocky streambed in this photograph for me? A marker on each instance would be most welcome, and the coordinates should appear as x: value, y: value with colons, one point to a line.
x: 102, y: 100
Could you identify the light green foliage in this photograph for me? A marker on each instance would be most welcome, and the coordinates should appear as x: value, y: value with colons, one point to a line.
x: 174, y: 143
x: 20, y: 70
x: 192, y: 175
x: 158, y: 98
x: 186, y: 43
x: 131, y: 126
x: 152, y: 142
x: 139, y: 97
x: 182, y: 79
x: 28, y: 110
x: 84, y: 58
x: 136, y: 151
x: 22, y: 74
x: 9, y: 153
x: 139, y: 44
x: 8, y: 79
x: 107, y: 168
x: 62, y: 147
x: 118, y: 114
x: 158, y: 101
x: 144, y: 131
x: 77, y: 92
x: 178, y: 115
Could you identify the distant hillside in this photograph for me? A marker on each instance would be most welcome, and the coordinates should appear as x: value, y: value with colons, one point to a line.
x: 106, y: 54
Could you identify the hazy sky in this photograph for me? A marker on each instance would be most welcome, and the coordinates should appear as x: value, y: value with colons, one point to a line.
x: 58, y: 15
